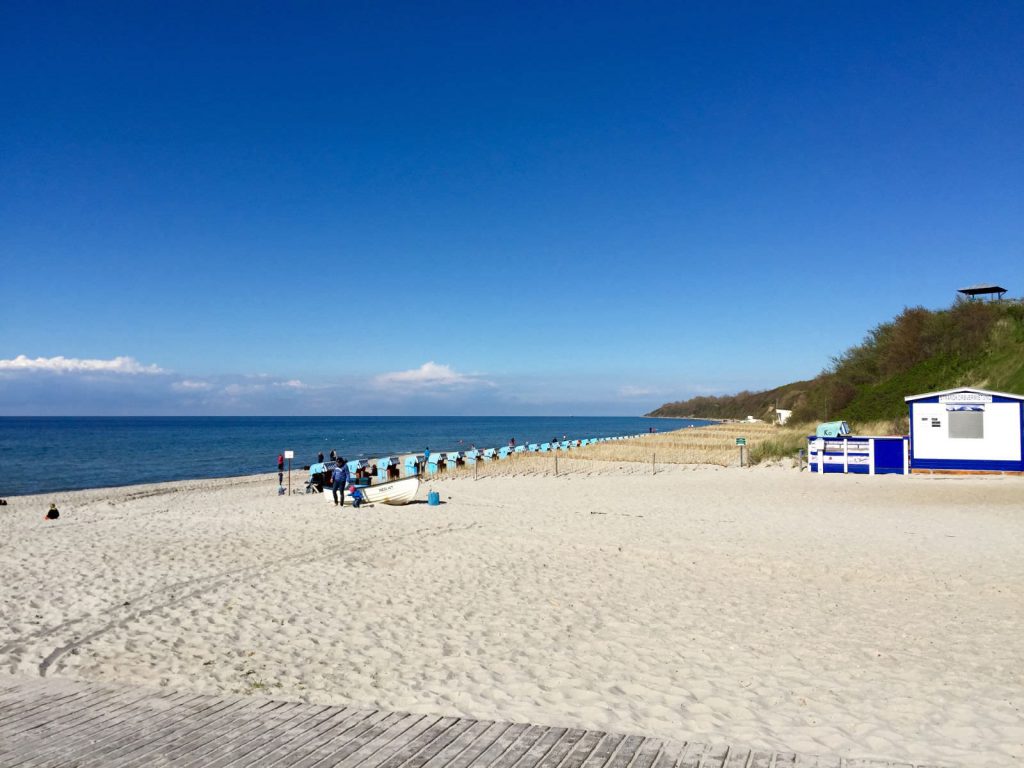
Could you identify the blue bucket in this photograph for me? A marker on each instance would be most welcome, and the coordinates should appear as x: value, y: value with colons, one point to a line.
x: 433, y: 498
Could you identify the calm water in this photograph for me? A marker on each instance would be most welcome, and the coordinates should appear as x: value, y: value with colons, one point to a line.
x: 65, y: 453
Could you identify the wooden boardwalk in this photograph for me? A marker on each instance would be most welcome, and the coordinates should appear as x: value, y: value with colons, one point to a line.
x: 56, y: 723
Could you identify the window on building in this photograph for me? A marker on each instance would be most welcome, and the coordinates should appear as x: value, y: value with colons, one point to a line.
x: 966, y: 424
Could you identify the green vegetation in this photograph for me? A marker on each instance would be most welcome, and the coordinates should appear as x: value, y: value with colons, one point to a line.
x: 973, y: 343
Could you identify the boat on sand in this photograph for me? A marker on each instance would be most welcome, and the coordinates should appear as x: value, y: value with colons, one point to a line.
x: 394, y: 492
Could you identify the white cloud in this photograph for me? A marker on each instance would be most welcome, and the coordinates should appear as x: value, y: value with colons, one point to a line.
x: 61, y: 364
x: 190, y: 385
x: 236, y: 390
x: 290, y: 384
x: 431, y: 375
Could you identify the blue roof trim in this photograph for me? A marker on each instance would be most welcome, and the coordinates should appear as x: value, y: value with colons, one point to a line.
x: 990, y: 466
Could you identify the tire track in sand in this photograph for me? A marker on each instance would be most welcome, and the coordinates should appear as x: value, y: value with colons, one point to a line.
x: 194, y: 587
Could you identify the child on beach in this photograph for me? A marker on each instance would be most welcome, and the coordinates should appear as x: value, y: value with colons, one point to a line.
x: 53, y: 513
x: 357, y: 496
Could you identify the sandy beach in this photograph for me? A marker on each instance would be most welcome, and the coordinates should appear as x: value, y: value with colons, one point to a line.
x: 856, y: 616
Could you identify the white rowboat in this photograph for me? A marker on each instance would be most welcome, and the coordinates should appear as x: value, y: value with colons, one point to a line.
x: 395, y: 492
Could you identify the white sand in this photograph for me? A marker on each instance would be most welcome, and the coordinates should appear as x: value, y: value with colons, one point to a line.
x: 868, y: 617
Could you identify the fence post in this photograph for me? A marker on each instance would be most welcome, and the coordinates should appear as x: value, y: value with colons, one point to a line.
x: 556, y: 465
x: 654, y: 469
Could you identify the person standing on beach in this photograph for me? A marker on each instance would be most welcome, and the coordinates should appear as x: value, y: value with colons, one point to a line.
x: 280, y: 468
x: 334, y: 455
x: 339, y: 479
x: 320, y: 457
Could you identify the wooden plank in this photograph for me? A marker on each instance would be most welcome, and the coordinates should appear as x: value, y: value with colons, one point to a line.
x: 737, y: 758
x: 492, y: 754
x: 560, y: 750
x: 467, y: 743
x: 89, y: 741
x: 382, y: 749
x: 670, y: 756
x: 13, y: 689
x: 402, y: 751
x: 603, y: 752
x: 428, y: 743
x: 165, y: 715
x: 242, y: 746
x: 330, y: 717
x: 82, y: 733
x: 321, y: 735
x: 239, y: 726
x: 342, y: 745
x: 479, y: 745
x: 54, y: 722
x: 540, y: 748
x: 693, y: 755
x: 48, y: 713
x: 38, y: 702
x: 192, y: 717
x: 647, y: 754
x: 519, y: 747
x: 329, y: 740
x: 583, y: 749
x: 715, y: 756
x: 49, y: 723
x: 625, y: 752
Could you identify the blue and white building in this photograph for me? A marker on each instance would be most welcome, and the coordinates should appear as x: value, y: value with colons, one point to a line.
x: 966, y: 430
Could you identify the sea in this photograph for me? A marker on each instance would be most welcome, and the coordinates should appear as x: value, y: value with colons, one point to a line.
x: 49, y: 454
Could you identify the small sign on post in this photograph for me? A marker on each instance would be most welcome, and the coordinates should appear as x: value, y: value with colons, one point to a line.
x: 742, y: 443
x: 289, y: 455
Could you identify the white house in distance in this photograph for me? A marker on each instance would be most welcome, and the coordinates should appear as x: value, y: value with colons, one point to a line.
x: 966, y: 430
x: 782, y: 416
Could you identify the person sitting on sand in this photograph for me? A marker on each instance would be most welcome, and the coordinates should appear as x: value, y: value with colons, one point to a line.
x: 53, y: 513
x: 339, y: 479
x: 357, y: 496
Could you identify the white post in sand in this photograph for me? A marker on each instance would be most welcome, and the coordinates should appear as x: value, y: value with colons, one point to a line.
x: 846, y: 456
x: 871, y: 455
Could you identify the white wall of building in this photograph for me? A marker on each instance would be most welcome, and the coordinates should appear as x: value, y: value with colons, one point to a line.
x: 1000, y: 443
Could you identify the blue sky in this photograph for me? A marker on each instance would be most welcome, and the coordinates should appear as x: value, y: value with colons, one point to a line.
x: 464, y: 208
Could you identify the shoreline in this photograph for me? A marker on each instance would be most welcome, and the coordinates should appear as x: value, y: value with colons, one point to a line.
x: 134, y: 455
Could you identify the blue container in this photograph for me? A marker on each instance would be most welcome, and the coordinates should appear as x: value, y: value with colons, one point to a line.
x: 433, y: 498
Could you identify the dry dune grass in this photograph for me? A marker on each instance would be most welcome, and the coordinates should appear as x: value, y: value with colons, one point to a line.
x: 714, y: 444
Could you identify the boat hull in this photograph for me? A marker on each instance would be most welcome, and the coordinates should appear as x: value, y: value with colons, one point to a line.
x: 394, y: 492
